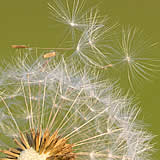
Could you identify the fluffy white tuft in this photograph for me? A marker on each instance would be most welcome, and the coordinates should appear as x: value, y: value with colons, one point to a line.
x: 92, y: 114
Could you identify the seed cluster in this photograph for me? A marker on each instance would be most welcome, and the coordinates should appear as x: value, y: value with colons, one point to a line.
x: 50, y: 146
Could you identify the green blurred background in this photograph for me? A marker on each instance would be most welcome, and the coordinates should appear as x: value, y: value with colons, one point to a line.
x: 27, y: 22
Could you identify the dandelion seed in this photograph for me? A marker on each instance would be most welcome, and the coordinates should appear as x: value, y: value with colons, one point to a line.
x: 131, y: 57
x: 19, y: 46
x: 48, y: 55
x: 95, y: 43
x: 67, y: 12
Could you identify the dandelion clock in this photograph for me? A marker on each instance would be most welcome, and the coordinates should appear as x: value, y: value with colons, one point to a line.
x: 56, y: 111
x: 66, y: 104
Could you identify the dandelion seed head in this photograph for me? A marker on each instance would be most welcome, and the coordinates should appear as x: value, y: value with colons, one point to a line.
x: 90, y: 118
x: 56, y: 109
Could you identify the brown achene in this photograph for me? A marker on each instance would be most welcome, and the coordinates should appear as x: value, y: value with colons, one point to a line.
x: 55, y: 147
